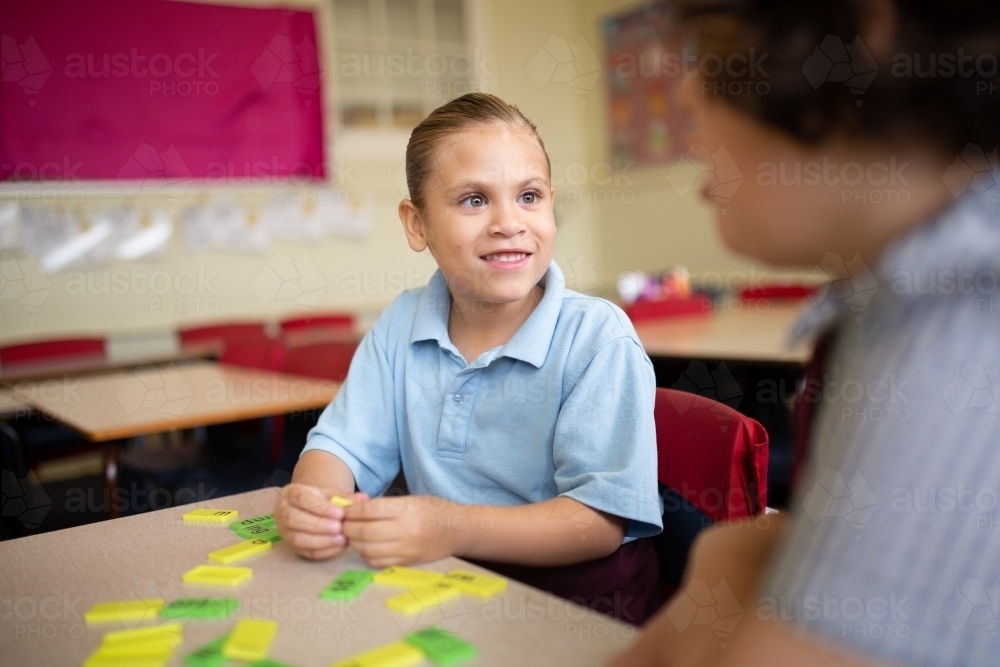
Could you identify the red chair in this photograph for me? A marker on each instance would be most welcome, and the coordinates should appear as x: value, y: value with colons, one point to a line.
x: 786, y: 292
x: 712, y: 467
x: 328, y: 360
x: 69, y: 349
x: 241, y: 344
x: 328, y: 321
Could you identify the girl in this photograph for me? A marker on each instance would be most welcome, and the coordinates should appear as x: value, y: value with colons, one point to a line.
x: 520, y: 413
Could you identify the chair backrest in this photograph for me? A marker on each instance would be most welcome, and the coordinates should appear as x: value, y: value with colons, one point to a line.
x: 242, y: 344
x: 791, y: 292
x: 53, y: 350
x: 329, y: 360
x: 326, y: 321
x: 712, y: 466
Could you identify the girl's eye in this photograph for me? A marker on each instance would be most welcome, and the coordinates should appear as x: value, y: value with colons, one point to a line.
x: 529, y: 198
x: 474, y: 201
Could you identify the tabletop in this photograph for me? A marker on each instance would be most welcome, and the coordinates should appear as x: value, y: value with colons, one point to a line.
x: 49, y: 581
x: 741, y: 331
x: 10, y: 406
x: 53, y: 368
x: 153, y: 399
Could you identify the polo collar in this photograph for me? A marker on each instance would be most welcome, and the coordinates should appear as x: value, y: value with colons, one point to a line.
x: 529, y: 344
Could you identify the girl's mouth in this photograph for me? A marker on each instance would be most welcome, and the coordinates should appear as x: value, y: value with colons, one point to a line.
x: 507, y: 259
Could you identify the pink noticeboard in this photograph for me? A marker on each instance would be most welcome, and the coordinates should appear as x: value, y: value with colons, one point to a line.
x: 156, y: 89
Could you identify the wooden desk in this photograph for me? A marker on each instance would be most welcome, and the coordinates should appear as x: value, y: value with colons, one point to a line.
x: 748, y: 334
x: 10, y: 406
x: 130, y: 403
x: 49, y: 581
x: 111, y: 407
x: 42, y: 370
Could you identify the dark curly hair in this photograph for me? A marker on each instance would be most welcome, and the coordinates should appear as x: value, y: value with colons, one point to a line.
x: 935, y: 81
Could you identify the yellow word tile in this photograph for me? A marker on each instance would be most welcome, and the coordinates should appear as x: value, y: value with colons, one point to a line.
x: 480, y: 585
x: 171, y: 633
x: 239, y: 551
x: 137, y: 648
x: 421, y: 596
x: 100, y: 659
x: 406, y: 577
x: 341, y: 502
x: 125, y: 610
x: 215, y: 575
x: 250, y: 639
x: 397, y: 654
x: 210, y: 516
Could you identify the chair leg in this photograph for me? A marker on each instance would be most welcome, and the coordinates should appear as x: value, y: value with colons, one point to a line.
x: 111, y: 478
x: 277, y: 438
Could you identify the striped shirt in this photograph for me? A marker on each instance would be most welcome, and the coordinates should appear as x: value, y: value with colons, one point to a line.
x: 895, y: 547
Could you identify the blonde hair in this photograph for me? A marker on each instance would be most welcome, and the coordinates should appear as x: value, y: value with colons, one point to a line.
x: 455, y: 116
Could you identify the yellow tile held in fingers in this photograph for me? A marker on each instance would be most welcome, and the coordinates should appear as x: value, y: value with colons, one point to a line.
x: 210, y: 516
x: 341, y: 502
x: 397, y: 654
x: 421, y: 596
x: 480, y: 585
x: 168, y: 632
x: 239, y: 551
x: 217, y: 575
x: 124, y: 610
x: 250, y: 640
x: 406, y: 577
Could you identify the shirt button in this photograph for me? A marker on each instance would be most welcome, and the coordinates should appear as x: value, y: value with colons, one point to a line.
x: 456, y: 399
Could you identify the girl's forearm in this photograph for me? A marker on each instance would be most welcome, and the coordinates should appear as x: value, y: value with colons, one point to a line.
x: 560, y: 531
x: 323, y: 470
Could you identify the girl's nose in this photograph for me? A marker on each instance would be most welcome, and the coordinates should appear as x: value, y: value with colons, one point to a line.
x: 506, y: 221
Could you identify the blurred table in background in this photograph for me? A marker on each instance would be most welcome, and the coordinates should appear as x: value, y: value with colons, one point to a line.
x: 758, y: 332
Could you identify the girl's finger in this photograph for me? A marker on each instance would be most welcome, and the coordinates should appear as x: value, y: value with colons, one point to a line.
x: 321, y: 554
x: 297, y: 521
x: 371, y: 531
x: 309, y: 542
x: 377, y: 550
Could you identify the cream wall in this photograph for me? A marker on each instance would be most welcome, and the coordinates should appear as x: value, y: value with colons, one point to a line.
x: 658, y: 228
x: 594, y: 243
x: 383, y: 258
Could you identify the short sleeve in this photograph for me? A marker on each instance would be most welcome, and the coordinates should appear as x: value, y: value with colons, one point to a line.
x: 359, y: 425
x: 604, y: 449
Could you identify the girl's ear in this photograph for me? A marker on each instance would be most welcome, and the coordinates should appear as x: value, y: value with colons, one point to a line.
x: 413, y: 225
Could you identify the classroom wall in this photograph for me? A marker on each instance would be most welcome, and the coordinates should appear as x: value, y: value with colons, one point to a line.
x: 361, y: 274
x: 643, y: 224
x: 631, y: 222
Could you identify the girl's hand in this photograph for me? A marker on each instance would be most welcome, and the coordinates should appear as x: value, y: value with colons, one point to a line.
x: 309, y: 523
x: 401, y: 530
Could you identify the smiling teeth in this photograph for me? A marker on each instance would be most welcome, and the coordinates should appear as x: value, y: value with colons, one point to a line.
x: 507, y: 257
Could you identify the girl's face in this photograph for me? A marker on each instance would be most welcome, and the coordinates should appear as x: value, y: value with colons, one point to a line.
x: 487, y: 215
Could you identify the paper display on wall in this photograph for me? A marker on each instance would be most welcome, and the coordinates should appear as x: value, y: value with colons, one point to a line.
x: 311, y: 216
x: 59, y: 239
x: 65, y: 239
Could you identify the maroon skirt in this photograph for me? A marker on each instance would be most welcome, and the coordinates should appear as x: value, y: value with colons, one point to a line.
x: 625, y: 585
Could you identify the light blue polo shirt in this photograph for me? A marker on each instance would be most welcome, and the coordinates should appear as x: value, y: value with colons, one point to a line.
x: 564, y: 408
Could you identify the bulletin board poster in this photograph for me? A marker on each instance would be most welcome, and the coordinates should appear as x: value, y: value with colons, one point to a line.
x: 644, y: 60
x: 156, y: 90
